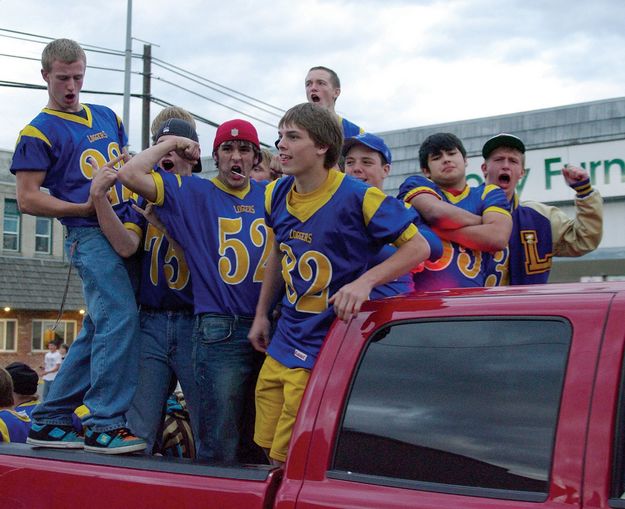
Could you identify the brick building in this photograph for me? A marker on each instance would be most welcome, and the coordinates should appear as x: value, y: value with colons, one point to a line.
x: 33, y: 276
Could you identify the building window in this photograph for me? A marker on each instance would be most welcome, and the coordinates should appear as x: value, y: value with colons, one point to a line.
x: 8, y: 335
x: 465, y: 403
x: 11, y: 232
x: 43, y: 235
x: 65, y: 332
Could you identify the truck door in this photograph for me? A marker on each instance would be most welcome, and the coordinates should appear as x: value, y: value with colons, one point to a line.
x: 478, y: 403
x: 604, y: 472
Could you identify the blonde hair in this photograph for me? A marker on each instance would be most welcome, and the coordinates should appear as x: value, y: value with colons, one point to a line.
x: 167, y: 113
x: 63, y: 50
x: 266, y: 156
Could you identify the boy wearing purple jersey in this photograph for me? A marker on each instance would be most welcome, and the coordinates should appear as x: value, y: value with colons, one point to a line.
x: 323, y: 88
x: 324, y: 262
x: 473, y: 222
x: 165, y: 294
x: 56, y: 151
x: 368, y: 158
x: 14, y: 425
x: 219, y: 223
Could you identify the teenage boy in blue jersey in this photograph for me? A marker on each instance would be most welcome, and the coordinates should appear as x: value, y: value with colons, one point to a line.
x: 25, y: 380
x: 14, y: 425
x: 327, y: 226
x: 219, y: 223
x: 55, y: 151
x: 323, y: 88
x: 165, y: 300
x: 165, y: 293
x: 368, y: 158
x: 472, y: 221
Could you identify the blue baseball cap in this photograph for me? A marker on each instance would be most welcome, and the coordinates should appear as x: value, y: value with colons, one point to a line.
x: 371, y: 141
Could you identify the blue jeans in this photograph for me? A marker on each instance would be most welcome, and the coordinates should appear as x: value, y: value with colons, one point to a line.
x: 166, y: 350
x: 226, y: 367
x: 101, y: 367
x: 46, y: 389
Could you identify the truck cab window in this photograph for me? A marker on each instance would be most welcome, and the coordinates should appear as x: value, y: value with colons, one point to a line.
x: 465, y: 405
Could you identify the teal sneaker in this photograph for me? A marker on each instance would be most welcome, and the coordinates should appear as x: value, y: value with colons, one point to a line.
x: 56, y: 436
x: 115, y: 441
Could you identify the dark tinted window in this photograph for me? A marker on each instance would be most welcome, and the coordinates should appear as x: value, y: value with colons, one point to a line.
x: 461, y: 402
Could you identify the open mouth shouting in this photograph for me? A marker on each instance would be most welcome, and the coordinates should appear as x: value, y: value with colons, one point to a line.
x: 237, y: 172
x: 315, y: 98
x: 167, y: 165
x: 503, y: 179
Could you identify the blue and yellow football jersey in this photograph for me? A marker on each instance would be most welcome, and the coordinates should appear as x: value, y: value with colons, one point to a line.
x: 458, y: 266
x: 349, y: 128
x: 14, y: 426
x: 165, y: 281
x: 405, y: 283
x: 27, y: 407
x: 326, y: 239
x: 224, y: 238
x: 61, y: 143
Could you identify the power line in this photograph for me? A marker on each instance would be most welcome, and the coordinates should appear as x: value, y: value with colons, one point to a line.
x: 15, y: 84
x: 220, y: 91
x: 31, y: 86
x: 88, y: 66
x: 161, y: 63
x: 85, y: 46
x: 24, y: 33
x: 21, y: 39
x: 138, y: 73
x: 164, y: 104
x: 200, y: 80
x: 155, y: 100
x: 197, y: 117
x: 280, y: 110
x: 216, y: 102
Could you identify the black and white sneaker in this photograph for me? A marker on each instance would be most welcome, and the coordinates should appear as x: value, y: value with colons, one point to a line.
x: 57, y: 436
x: 115, y: 441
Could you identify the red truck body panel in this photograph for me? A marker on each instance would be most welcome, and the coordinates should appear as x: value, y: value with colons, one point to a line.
x: 36, y: 482
x: 582, y: 456
x: 587, y: 315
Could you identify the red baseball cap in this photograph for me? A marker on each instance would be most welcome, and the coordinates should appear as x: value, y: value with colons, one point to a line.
x: 236, y: 129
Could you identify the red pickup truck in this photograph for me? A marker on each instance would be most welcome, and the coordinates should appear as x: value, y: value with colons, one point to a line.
x: 475, y: 398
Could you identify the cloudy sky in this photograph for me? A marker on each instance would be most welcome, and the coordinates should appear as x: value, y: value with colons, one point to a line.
x: 401, y: 63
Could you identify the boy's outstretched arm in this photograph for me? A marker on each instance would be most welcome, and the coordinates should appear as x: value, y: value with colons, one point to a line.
x: 135, y: 174
x: 348, y: 300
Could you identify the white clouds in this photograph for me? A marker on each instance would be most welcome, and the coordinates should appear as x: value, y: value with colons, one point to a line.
x: 402, y: 63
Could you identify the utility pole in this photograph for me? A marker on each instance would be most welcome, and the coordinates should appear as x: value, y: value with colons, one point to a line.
x: 128, y: 66
x: 147, y: 97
